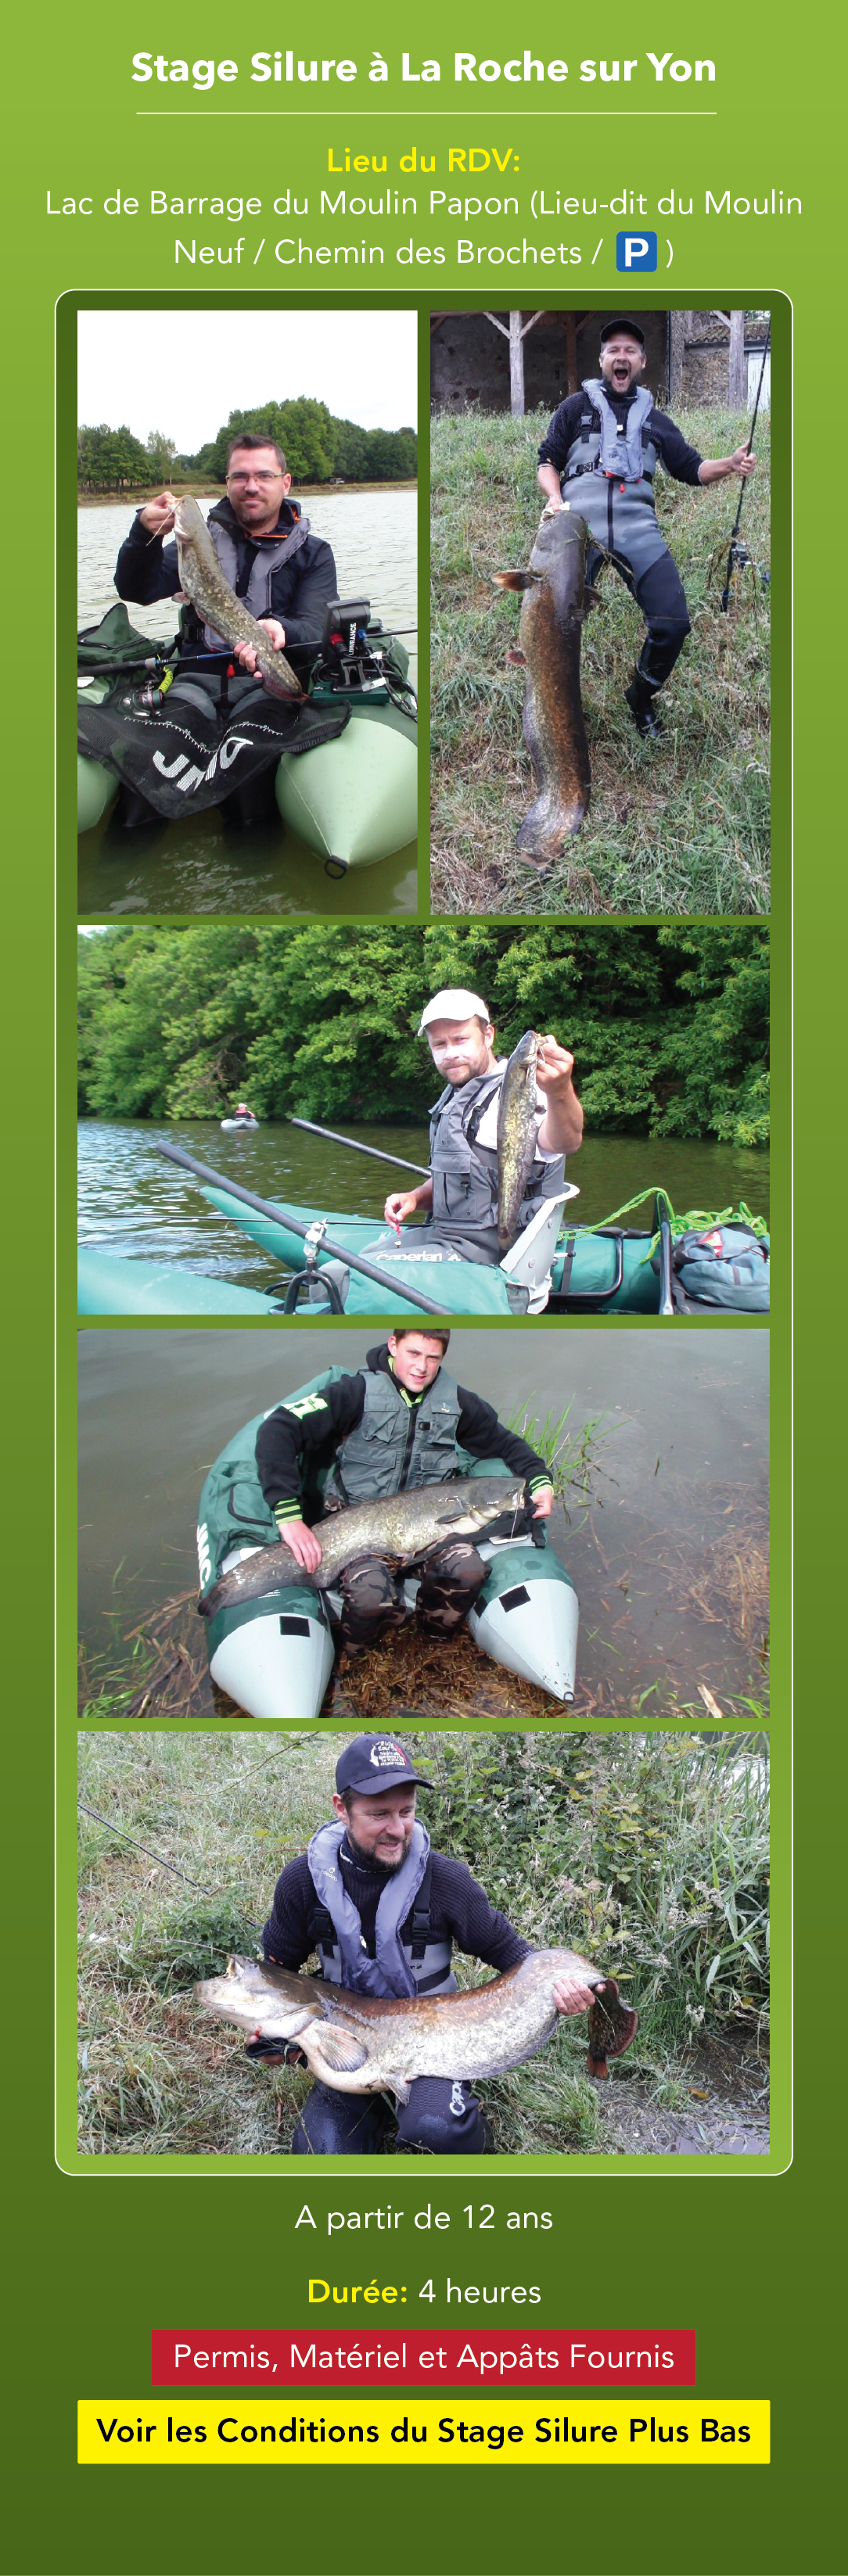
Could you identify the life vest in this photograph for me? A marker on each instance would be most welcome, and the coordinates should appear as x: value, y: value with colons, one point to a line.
x: 269, y: 555
x: 394, y: 1447
x: 465, y: 1173
x: 615, y: 465
x: 408, y: 1961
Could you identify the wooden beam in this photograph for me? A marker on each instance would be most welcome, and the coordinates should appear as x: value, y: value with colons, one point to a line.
x: 676, y: 353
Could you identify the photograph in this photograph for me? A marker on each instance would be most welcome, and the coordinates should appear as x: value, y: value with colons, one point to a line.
x: 500, y: 1523
x: 515, y: 1945
x: 247, y: 612
x: 609, y: 750
x: 443, y: 1119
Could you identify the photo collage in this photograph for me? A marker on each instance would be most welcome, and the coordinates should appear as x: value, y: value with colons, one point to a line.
x: 424, y: 829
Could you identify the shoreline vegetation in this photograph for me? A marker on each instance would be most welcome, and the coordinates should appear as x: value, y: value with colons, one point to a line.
x: 669, y: 1027
x: 136, y: 494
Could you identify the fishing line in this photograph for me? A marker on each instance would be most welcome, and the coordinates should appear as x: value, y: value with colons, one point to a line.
x: 157, y: 1857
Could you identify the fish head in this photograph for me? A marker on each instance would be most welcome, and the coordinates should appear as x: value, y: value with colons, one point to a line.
x: 559, y: 533
x: 479, y: 1501
x: 524, y: 1057
x: 188, y: 518
x: 258, y: 1995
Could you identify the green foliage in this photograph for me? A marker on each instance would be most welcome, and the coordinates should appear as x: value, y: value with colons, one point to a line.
x: 669, y: 1027
x: 109, y: 458
x: 317, y: 448
x: 648, y: 1854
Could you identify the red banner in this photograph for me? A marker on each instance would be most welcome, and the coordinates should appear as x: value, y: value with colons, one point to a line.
x: 301, y: 2358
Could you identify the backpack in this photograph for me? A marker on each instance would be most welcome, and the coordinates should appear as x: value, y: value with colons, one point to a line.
x: 728, y: 1265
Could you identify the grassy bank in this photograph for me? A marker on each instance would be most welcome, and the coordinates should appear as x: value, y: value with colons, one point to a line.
x: 650, y: 1855
x: 677, y: 826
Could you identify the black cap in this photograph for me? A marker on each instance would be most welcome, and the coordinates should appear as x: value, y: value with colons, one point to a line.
x: 375, y: 1762
x: 622, y: 323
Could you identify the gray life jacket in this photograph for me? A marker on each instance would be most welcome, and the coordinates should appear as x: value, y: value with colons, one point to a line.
x: 393, y: 1446
x: 465, y: 1174
x: 412, y: 1966
x: 616, y: 467
x: 267, y: 561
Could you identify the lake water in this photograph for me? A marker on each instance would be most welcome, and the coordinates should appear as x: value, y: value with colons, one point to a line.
x: 199, y: 866
x: 133, y: 1203
x: 684, y: 1466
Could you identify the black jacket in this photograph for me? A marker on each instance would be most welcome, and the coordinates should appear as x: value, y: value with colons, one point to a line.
x: 300, y: 590
x: 679, y: 459
x: 459, y: 1912
x: 284, y: 1437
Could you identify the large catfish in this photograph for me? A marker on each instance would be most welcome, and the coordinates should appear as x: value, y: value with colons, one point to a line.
x: 398, y: 1526
x: 372, y: 2044
x: 205, y: 584
x: 553, y: 607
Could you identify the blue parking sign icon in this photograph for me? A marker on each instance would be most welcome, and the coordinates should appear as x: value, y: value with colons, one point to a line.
x: 635, y: 252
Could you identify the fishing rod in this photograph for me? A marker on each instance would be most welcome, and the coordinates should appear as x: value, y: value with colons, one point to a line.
x: 280, y: 1216
x: 196, y: 1883
x: 379, y: 1155
x: 736, y: 552
x: 203, y: 661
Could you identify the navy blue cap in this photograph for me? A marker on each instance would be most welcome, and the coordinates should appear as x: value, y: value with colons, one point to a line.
x: 375, y: 1762
x: 622, y: 323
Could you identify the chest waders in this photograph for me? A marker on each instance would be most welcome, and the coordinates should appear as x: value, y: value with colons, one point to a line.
x: 465, y: 1173
x: 408, y: 1961
x: 609, y: 477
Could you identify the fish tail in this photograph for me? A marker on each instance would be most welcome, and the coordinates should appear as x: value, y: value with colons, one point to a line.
x: 598, y: 2067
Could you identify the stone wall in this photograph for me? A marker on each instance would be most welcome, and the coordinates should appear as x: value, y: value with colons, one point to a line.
x: 469, y: 359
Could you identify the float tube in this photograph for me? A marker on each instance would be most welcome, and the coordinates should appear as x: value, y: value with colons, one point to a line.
x: 353, y: 801
x: 274, y: 1656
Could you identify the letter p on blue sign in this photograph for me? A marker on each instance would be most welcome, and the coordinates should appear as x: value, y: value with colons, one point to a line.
x: 635, y: 251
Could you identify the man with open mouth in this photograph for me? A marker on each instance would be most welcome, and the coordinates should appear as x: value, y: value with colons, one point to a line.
x: 599, y: 457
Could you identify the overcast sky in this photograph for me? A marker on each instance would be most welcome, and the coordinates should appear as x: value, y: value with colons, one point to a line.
x: 183, y: 373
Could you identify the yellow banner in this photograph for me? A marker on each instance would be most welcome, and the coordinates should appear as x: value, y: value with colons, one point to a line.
x: 708, y: 2432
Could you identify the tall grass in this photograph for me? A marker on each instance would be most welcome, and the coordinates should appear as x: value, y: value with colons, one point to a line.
x: 677, y: 826
x: 650, y: 1855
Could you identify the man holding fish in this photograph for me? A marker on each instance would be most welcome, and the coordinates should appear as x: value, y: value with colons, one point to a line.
x: 396, y: 1427
x: 256, y: 578
x: 499, y: 1135
x: 601, y: 451
x: 384, y: 1913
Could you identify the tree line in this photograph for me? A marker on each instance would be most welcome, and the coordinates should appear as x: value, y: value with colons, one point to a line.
x: 318, y: 449
x: 669, y: 1027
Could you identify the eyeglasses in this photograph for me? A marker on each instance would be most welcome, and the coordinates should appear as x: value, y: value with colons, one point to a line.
x: 256, y: 478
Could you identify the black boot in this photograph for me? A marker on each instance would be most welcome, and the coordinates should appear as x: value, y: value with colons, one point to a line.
x: 641, y: 699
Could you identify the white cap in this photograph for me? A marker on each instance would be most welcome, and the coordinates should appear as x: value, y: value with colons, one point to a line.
x: 454, y: 1005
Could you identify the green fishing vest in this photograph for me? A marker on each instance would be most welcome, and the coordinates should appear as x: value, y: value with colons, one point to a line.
x: 393, y: 1448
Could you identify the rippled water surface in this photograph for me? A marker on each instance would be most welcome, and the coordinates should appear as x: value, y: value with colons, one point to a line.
x: 198, y: 866
x: 133, y: 1202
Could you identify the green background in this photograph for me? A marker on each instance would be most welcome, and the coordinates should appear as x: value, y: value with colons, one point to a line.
x: 749, y: 2259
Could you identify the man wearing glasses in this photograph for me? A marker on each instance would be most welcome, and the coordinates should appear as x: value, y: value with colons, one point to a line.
x: 262, y: 542
x: 270, y: 558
